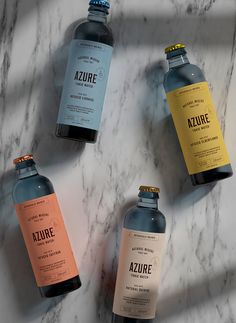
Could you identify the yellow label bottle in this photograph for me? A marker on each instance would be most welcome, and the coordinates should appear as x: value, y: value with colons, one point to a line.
x: 195, y: 119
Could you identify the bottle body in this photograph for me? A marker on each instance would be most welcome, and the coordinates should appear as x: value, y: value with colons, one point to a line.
x: 86, y: 77
x: 44, y: 233
x: 196, y: 122
x: 139, y: 265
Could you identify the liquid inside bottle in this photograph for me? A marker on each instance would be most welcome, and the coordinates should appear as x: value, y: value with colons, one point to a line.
x: 141, y: 250
x: 86, y: 76
x: 195, y: 119
x: 44, y: 231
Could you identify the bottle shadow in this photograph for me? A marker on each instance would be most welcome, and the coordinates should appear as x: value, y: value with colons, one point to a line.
x: 148, y: 28
x: 51, y: 149
x: 28, y: 299
x: 7, y: 180
x: 110, y: 251
x: 176, y: 302
x: 154, y: 26
x: 203, y: 291
x: 159, y: 129
x: 131, y: 31
x: 19, y: 274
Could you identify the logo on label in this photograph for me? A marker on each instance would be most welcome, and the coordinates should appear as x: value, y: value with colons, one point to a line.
x: 140, y: 268
x: 100, y: 73
x: 43, y: 234
x: 85, y: 77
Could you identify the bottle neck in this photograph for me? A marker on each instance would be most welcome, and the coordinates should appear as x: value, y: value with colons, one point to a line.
x: 148, y: 200
x: 97, y: 14
x: 24, y: 171
x: 178, y: 60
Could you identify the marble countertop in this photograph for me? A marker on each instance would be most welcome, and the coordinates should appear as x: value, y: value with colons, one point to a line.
x: 137, y: 145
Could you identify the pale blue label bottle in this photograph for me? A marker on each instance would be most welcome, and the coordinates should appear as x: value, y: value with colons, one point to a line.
x: 85, y: 84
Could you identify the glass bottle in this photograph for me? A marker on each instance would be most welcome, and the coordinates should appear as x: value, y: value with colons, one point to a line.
x: 86, y: 76
x: 195, y: 119
x: 44, y: 231
x: 141, y: 249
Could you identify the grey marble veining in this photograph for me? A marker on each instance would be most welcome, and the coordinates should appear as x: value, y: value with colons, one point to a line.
x: 137, y: 144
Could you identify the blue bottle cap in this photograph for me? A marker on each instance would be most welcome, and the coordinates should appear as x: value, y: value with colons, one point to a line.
x: 101, y: 3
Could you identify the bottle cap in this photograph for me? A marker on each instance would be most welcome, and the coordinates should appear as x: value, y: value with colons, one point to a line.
x: 100, y: 3
x: 150, y: 189
x: 174, y: 47
x: 22, y: 159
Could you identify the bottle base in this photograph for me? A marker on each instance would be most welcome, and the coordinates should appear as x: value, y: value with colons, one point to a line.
x: 121, y: 319
x: 212, y: 175
x: 61, y: 288
x: 76, y: 133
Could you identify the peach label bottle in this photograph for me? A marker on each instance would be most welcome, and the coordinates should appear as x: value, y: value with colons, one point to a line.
x: 141, y: 249
x: 44, y: 231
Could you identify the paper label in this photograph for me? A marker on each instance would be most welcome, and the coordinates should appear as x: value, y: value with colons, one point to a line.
x: 138, y: 274
x: 85, y: 84
x: 46, y: 240
x: 197, y: 127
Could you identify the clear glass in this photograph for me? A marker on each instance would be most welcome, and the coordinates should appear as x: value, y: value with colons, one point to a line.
x: 144, y: 217
x: 181, y: 73
x: 31, y: 185
x: 95, y: 28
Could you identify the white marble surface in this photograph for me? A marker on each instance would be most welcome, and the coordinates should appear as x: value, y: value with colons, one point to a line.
x: 137, y: 145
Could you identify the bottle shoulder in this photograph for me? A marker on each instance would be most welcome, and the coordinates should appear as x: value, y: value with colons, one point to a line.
x: 32, y: 187
x: 94, y: 31
x: 184, y: 75
x: 145, y: 219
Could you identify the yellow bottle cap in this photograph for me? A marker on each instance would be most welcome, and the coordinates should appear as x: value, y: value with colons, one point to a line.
x: 22, y: 158
x: 150, y: 189
x: 174, y: 47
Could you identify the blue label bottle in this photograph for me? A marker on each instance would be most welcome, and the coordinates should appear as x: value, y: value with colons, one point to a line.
x: 86, y: 76
x: 141, y: 249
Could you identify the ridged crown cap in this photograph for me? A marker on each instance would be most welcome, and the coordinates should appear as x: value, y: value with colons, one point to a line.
x: 150, y: 189
x: 101, y: 3
x: 174, y: 47
x: 22, y: 159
